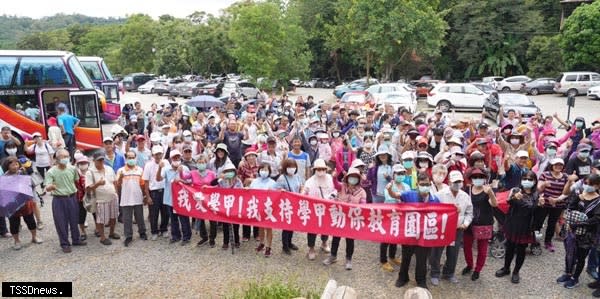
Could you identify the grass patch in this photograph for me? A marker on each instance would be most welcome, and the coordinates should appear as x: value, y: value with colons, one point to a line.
x: 274, y: 289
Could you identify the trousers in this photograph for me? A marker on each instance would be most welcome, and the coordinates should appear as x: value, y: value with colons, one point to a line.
x: 129, y: 212
x: 65, y: 211
x: 482, y: 249
x: 421, y: 254
x: 335, y: 244
x: 451, y: 258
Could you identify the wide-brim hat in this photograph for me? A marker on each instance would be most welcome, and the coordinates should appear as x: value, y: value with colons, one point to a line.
x: 476, y: 171
x: 228, y: 166
x: 352, y: 171
x: 382, y: 150
x: 357, y: 163
x: 222, y: 146
x: 320, y: 164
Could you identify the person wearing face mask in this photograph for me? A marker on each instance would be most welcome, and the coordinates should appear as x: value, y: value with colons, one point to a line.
x: 476, y: 160
x: 543, y: 159
x: 290, y: 182
x: 130, y: 182
x: 82, y: 163
x: 142, y: 152
x: 229, y: 179
x: 422, y: 195
x: 112, y: 159
x: 271, y: 156
x: 212, y: 129
x: 320, y: 185
x: 380, y: 174
x: 10, y: 149
x: 365, y: 152
x: 349, y: 192
x: 456, y: 196
x: 154, y: 190
x: 170, y: 173
x: 325, y: 152
x: 387, y: 251
x: 524, y: 202
x: 247, y: 172
x: 580, y: 132
x: 313, y: 148
x: 514, y: 170
x: 551, y: 185
x: 344, y: 158
x: 264, y: 182
x: 582, y: 234
x: 202, y: 176
x: 424, y: 162
x: 42, y: 153
x: 439, y: 173
x: 513, y: 143
x: 100, y: 179
x: 408, y: 161
x: 483, y: 199
x: 581, y: 164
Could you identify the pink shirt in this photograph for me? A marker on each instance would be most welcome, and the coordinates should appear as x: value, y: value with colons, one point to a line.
x: 199, y: 180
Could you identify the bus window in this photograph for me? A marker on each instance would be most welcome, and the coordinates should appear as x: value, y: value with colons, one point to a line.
x: 86, y: 109
x: 23, y: 104
x: 80, y: 75
x: 106, y: 71
x: 7, y: 69
x: 45, y: 71
x: 92, y: 69
x: 111, y: 91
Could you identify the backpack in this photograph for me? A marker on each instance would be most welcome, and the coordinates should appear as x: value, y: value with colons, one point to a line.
x: 32, y: 155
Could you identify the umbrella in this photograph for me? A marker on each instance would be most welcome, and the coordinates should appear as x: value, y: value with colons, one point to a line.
x: 204, y: 101
x: 15, y: 191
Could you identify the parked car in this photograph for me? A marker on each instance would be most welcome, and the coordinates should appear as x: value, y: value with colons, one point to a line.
x: 575, y: 83
x: 187, y: 89
x: 594, y: 92
x: 492, y: 81
x: 213, y: 89
x: 162, y: 85
x: 512, y: 83
x: 399, y: 99
x: 175, y: 90
x: 356, y: 85
x: 424, y: 86
x: 486, y: 88
x: 537, y: 86
x: 518, y: 102
x: 356, y: 99
x: 249, y: 90
x: 147, y: 87
x: 446, y: 96
x: 380, y: 91
x: 133, y: 81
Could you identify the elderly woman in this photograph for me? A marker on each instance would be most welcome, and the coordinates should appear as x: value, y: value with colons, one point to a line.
x: 320, y: 185
x: 290, y: 181
x: 11, y: 166
x: 264, y: 181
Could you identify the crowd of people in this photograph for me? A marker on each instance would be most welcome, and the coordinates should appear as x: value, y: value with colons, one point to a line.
x: 337, y: 152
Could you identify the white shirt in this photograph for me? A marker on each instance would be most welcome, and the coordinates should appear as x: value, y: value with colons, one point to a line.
x: 320, y: 187
x: 104, y: 193
x: 149, y: 174
x: 463, y: 201
x: 42, y: 154
x: 131, y: 186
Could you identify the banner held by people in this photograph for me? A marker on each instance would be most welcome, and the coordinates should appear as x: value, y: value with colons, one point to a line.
x: 430, y: 225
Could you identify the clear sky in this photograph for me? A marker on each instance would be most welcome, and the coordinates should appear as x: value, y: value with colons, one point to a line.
x: 111, y: 8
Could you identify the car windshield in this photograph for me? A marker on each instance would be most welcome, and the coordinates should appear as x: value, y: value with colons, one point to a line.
x: 514, y: 99
x: 354, y: 98
x: 485, y: 88
x: 397, y: 97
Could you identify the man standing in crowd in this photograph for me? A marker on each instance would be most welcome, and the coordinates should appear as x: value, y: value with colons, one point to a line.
x: 101, y: 181
x: 154, y: 191
x: 129, y: 180
x: 68, y: 123
x: 60, y: 181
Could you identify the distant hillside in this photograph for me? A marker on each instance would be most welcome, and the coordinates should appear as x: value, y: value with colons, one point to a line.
x: 12, y: 28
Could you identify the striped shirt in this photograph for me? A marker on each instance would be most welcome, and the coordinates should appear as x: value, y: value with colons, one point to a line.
x: 555, y: 189
x: 132, y: 185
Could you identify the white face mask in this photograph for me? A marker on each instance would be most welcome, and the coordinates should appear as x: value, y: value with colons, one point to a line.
x: 423, y: 164
x: 83, y: 167
x: 313, y: 142
x: 321, y: 173
x: 187, y: 138
x: 291, y: 171
x: 437, y: 178
x: 515, y: 141
x: 11, y: 151
x: 175, y: 164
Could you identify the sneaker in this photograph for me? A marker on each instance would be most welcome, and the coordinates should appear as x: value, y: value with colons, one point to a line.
x: 592, y: 273
x: 387, y: 267
x: 105, y: 242
x: 154, y: 237
x: 166, y: 235
x: 144, y: 237
x: 127, y: 242
x: 202, y: 242
x: 17, y: 246
x: 211, y: 244
x: 329, y: 260
x: 401, y: 283
x: 453, y: 279
x: 97, y: 234
x: 114, y: 236
x: 312, y: 255
x: 325, y: 248
x: 66, y: 249
x: 348, y: 265
x: 260, y: 247
x: 172, y: 241
x: 40, y: 225
x: 596, y: 294
x: 225, y: 246
x: 37, y: 240
x: 435, y: 281
x: 85, y: 224
x: 83, y: 237
x: 268, y: 252
x: 572, y: 283
x: 515, y: 277
x: 502, y: 272
x: 6, y: 235
x: 563, y: 278
x: 396, y: 261
x: 549, y: 247
x: 293, y: 247
x: 475, y: 276
x: 185, y: 242
x: 466, y: 270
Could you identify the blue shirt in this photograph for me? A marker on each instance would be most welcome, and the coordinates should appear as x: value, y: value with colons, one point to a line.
x: 289, y: 183
x: 382, y: 182
x: 169, y: 174
x: 302, y: 161
x: 414, y: 197
x: 265, y: 184
x: 118, y: 163
x: 68, y: 121
x: 390, y: 199
x: 513, y: 175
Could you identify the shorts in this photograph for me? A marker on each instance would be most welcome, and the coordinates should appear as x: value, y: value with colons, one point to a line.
x: 106, y: 211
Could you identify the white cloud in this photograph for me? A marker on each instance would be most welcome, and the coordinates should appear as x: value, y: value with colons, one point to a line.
x: 112, y: 8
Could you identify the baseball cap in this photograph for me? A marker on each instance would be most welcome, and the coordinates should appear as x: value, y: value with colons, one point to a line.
x: 140, y: 137
x: 36, y: 134
x: 455, y: 176
x: 483, y: 125
x: 157, y: 149
x: 99, y: 156
x: 187, y: 133
x: 522, y: 154
x: 107, y: 139
x: 271, y: 140
x: 481, y: 141
x: 583, y: 147
x: 557, y: 161
x: 398, y: 168
x: 174, y: 153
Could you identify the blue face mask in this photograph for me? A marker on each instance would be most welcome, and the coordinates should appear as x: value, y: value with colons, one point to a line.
x: 478, y: 182
x: 579, y: 124
x: 527, y: 184
x: 407, y: 164
x: 201, y: 166
x: 399, y: 178
x: 551, y: 152
x: 588, y: 188
x: 424, y: 189
x: 584, y: 155
x: 229, y: 175
x: 263, y: 173
x: 353, y: 181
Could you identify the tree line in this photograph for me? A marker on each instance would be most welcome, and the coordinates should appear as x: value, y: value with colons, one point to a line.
x: 387, y: 39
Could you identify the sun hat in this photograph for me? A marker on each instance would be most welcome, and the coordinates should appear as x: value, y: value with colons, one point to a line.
x: 80, y: 158
x: 352, y: 171
x: 357, y: 163
x: 556, y: 161
x: 320, y: 164
x: 223, y: 147
x: 398, y: 168
x: 228, y: 166
x: 408, y: 155
x: 455, y: 176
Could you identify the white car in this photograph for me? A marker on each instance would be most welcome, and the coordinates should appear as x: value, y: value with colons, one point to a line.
x: 594, y: 92
x: 381, y: 91
x: 512, y: 83
x: 147, y: 87
x: 446, y: 96
x: 399, y: 99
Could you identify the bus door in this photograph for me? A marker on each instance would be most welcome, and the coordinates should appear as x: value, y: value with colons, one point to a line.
x: 111, y: 91
x: 84, y: 106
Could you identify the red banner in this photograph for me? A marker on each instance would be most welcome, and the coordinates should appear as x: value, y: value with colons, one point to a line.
x: 428, y: 225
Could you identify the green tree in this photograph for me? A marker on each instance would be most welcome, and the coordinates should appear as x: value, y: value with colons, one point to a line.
x: 49, y: 40
x: 137, y: 44
x: 103, y: 41
x: 544, y: 58
x: 580, y: 38
x: 171, y: 45
x: 208, y: 44
x: 268, y: 42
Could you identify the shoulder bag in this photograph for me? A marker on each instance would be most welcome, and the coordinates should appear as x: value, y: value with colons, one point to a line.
x: 89, y: 199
